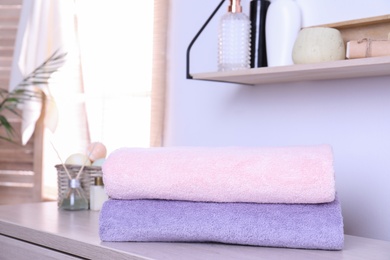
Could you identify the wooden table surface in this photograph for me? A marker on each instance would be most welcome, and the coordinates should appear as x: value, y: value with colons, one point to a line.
x: 76, y: 233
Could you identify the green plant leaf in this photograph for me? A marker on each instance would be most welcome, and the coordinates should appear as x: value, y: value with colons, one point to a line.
x: 10, y: 100
x: 8, y: 127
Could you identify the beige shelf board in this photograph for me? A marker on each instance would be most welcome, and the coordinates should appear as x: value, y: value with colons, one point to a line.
x: 342, y: 69
x: 374, y: 28
x: 359, y: 22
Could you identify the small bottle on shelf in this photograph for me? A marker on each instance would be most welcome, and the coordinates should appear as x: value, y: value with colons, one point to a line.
x: 283, y: 23
x: 234, y: 39
x: 97, y: 194
x: 257, y: 15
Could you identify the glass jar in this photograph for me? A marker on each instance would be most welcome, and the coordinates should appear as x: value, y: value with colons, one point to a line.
x: 75, y: 198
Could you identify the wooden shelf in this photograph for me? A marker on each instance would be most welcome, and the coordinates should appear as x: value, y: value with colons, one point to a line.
x: 342, y: 69
x: 372, y: 27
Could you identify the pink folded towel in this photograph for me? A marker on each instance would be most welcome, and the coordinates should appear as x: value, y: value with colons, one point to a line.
x: 297, y: 174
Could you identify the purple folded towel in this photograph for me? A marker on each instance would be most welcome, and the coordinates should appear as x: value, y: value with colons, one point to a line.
x: 309, y: 226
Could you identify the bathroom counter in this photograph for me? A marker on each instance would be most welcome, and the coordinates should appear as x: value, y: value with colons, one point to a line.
x: 41, y: 231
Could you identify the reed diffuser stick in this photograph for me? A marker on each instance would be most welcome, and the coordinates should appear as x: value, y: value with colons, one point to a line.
x: 63, y: 165
x: 85, y: 162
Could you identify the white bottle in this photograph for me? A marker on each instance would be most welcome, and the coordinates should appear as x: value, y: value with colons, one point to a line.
x: 234, y: 39
x: 97, y: 194
x: 283, y: 24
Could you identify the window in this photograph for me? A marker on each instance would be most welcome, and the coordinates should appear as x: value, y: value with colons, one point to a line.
x: 104, y: 91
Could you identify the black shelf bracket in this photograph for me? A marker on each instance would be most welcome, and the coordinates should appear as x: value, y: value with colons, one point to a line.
x: 188, y: 74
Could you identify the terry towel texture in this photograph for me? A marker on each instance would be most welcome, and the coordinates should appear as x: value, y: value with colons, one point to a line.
x: 309, y: 226
x: 299, y: 174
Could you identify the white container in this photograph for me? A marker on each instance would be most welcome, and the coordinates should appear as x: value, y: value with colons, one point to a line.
x: 97, y: 194
x: 283, y: 24
x: 234, y: 39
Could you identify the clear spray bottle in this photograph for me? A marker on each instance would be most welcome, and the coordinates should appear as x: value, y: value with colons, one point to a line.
x: 234, y: 39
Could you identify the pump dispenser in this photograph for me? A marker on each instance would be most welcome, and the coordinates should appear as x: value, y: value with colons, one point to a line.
x: 234, y: 39
x: 235, y: 6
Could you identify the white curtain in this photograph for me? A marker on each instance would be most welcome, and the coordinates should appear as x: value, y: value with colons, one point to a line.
x: 44, y: 27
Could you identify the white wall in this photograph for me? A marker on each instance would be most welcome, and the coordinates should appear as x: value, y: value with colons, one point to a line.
x: 351, y: 115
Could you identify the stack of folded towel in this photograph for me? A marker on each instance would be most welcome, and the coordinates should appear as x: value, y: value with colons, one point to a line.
x: 261, y: 196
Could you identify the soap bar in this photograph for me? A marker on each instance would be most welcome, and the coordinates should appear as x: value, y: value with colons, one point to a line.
x: 318, y: 44
x: 367, y: 48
